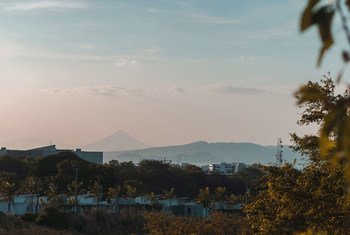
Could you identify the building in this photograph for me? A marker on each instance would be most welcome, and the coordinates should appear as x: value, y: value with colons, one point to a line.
x: 222, y: 168
x: 240, y: 166
x: 183, y: 207
x: 36, y: 152
x: 95, y: 157
x: 19, y: 206
x: 187, y: 210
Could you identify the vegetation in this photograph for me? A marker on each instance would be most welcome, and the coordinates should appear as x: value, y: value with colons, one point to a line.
x: 313, y: 198
x: 218, y: 223
x: 55, y: 175
x: 334, y: 139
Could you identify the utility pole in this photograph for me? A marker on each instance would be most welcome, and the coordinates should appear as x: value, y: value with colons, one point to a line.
x: 99, y: 191
x: 279, y: 153
x: 37, y: 197
x: 76, y: 190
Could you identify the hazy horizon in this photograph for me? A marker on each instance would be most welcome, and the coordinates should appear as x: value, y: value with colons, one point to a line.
x: 166, y: 72
x: 30, y: 143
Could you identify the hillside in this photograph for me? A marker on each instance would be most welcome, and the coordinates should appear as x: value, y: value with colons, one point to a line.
x: 203, y: 153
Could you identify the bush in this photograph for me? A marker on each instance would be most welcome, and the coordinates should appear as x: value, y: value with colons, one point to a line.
x: 98, y: 221
x: 219, y: 223
x: 9, y: 222
x: 29, y: 217
x: 53, y: 218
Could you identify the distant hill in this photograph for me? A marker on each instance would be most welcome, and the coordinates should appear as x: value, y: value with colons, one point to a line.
x: 203, y: 153
x: 118, y: 141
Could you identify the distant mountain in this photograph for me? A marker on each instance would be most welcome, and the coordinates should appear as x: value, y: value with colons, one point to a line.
x: 118, y: 141
x: 204, y: 153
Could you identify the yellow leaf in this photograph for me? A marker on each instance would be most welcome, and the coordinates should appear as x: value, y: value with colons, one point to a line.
x: 306, y: 18
x: 323, y: 18
x: 326, y: 145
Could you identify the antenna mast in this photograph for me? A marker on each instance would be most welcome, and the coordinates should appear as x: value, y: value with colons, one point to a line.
x: 279, y: 153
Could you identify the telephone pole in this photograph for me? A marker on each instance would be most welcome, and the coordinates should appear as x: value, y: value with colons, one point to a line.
x: 279, y: 153
x: 76, y: 190
x: 99, y: 190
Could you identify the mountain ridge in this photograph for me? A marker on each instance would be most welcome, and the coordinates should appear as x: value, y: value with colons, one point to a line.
x: 204, y: 152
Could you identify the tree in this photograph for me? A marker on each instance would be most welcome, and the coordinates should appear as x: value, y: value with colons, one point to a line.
x: 204, y: 198
x: 52, y: 192
x: 75, y: 188
x: 219, y: 193
x: 312, y: 198
x: 152, y: 198
x: 95, y: 190
x: 276, y: 209
x: 335, y: 127
x: 113, y: 193
x: 331, y: 111
x: 8, y: 191
x: 219, y: 223
x: 19, y: 167
x: 169, y: 195
x: 131, y: 192
x: 34, y: 186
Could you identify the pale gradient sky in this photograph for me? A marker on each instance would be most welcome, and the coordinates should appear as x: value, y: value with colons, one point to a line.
x: 165, y: 71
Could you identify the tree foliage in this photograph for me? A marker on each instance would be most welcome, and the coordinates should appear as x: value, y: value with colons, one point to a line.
x: 334, y: 135
x: 314, y: 198
x: 219, y: 223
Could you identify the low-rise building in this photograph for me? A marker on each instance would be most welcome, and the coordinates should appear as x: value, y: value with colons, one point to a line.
x: 95, y: 157
x: 222, y: 168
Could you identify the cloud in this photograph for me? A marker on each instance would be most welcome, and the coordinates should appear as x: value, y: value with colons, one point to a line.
x: 179, y: 90
x: 152, y: 10
x: 102, y: 90
x: 230, y: 89
x: 108, y: 90
x: 13, y: 49
x: 248, y: 58
x: 88, y: 46
x: 203, y: 18
x: 45, y: 4
x: 138, y: 57
x: 125, y: 62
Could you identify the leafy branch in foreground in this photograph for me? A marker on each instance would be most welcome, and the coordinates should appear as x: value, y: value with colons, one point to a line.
x: 331, y: 111
x: 321, y: 14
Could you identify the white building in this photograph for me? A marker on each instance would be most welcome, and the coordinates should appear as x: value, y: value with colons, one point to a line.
x: 222, y: 168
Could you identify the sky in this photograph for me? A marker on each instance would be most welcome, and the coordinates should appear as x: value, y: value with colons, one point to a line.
x: 166, y: 71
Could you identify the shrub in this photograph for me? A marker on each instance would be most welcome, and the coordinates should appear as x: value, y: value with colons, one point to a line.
x: 29, y: 217
x: 53, y: 218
